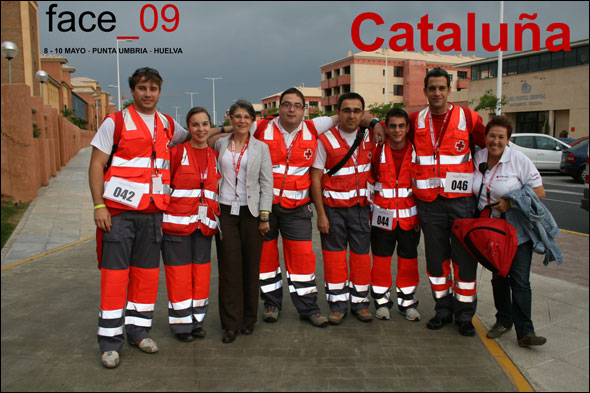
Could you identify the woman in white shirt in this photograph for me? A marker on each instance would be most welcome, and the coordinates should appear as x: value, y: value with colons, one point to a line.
x: 505, y: 170
x: 246, y: 193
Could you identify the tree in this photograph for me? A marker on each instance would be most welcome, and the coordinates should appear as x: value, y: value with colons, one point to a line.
x: 488, y: 101
x: 69, y: 114
x: 380, y: 110
x: 127, y: 103
x: 320, y: 113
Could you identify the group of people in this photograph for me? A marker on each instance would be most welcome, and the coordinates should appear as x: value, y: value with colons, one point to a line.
x: 158, y: 188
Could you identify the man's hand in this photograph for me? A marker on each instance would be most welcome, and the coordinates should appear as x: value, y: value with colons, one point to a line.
x: 379, y: 134
x: 323, y: 224
x: 263, y: 227
x: 102, y: 219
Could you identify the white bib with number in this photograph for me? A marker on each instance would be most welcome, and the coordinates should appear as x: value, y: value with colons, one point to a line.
x: 124, y: 192
x: 460, y: 183
x: 382, y: 218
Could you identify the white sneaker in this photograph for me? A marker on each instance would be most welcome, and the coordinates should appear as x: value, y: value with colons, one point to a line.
x: 147, y: 345
x: 382, y: 313
x: 110, y: 359
x: 411, y: 314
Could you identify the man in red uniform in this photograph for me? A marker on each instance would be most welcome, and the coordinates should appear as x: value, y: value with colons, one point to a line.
x: 129, y: 198
x: 343, y: 210
x: 442, y: 182
x: 394, y: 221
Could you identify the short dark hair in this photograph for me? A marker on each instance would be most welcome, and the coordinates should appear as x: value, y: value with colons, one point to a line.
x: 350, y: 96
x: 292, y: 90
x: 500, y: 121
x: 243, y: 104
x: 147, y: 73
x: 437, y: 72
x: 396, y: 112
x: 194, y: 111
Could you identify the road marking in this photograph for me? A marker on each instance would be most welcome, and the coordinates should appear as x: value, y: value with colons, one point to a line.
x: 559, y: 200
x: 575, y: 233
x: 564, y: 192
x: 513, y: 373
x: 45, y: 253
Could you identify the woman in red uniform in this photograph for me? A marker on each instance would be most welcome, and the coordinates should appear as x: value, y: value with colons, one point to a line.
x: 189, y: 224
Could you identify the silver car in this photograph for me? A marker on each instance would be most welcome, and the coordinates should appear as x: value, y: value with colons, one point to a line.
x: 543, y: 150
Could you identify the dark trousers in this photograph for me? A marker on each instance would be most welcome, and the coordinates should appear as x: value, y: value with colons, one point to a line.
x: 239, y: 267
x: 516, y: 308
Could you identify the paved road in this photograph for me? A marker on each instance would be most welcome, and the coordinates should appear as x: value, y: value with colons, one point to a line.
x: 563, y: 200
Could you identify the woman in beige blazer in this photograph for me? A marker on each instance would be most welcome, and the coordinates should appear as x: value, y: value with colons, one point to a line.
x: 245, y: 200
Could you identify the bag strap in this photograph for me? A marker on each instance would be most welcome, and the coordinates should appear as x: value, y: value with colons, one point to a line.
x: 357, y: 141
x: 116, y: 137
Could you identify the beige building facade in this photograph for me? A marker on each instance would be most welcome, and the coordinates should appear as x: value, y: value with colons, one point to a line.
x: 546, y: 92
x: 313, y: 96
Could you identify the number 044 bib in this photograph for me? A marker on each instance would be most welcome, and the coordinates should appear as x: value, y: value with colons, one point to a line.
x: 124, y: 192
x: 461, y: 183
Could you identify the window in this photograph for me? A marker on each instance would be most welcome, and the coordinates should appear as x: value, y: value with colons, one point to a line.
x: 522, y: 65
x: 336, y: 73
x: 544, y: 143
x: 582, y: 55
x: 398, y: 71
x: 462, y: 74
x: 313, y: 104
x: 524, y: 141
x: 569, y: 58
x: 510, y: 67
x: 329, y: 75
x: 383, y: 72
x: 557, y: 59
x: 475, y: 73
x: 327, y: 92
x: 545, y: 61
x: 398, y: 90
x: 485, y: 72
x: 347, y: 70
x: 346, y: 88
x: 534, y: 63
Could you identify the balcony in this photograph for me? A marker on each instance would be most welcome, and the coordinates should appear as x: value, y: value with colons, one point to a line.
x: 463, y: 84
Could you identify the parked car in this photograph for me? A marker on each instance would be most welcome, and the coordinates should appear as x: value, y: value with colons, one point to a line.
x: 567, y: 140
x: 543, y: 150
x: 584, y: 202
x: 576, y: 141
x: 573, y: 161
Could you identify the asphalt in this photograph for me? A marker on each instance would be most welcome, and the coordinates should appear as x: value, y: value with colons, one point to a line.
x: 50, y: 289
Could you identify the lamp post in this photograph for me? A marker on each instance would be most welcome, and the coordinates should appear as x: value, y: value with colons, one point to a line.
x: 41, y: 77
x: 126, y: 39
x: 96, y: 106
x: 191, y: 94
x: 214, y: 113
x: 9, y: 51
x: 176, y: 112
x: 499, y: 79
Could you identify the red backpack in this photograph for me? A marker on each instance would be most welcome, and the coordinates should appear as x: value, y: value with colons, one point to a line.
x: 492, y: 241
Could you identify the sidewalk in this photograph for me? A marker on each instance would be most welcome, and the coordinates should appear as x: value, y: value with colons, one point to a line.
x: 49, y: 320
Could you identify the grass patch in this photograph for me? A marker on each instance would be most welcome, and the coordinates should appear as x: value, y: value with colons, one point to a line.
x: 11, y: 215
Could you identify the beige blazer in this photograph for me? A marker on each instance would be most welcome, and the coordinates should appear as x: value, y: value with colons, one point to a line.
x: 259, y: 179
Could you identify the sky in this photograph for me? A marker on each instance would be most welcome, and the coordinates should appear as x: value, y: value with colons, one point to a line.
x: 261, y: 48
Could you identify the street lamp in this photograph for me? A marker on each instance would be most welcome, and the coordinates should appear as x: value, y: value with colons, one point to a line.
x: 41, y: 77
x: 214, y: 114
x: 176, y: 112
x: 191, y: 93
x: 9, y: 51
x: 96, y: 106
x: 126, y: 39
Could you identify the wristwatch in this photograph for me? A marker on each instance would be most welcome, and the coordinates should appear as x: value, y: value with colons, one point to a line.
x: 265, y: 218
x: 373, y: 122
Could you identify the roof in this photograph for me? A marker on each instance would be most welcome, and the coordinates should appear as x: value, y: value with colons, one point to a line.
x: 437, y: 57
x: 60, y: 59
x: 307, y: 92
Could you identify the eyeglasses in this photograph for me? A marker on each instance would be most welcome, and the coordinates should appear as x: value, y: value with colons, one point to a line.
x: 348, y: 111
x: 288, y: 105
x: 394, y: 126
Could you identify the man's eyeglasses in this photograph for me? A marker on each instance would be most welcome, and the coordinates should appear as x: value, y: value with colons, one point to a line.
x: 348, y: 111
x: 288, y: 105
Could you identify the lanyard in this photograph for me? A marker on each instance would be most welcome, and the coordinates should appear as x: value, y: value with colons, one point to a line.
x: 436, y: 145
x: 202, y: 175
x: 491, y: 179
x: 154, y: 142
x: 290, y: 148
x: 237, y: 165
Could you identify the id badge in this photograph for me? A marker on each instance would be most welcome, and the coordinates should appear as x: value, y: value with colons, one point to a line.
x: 371, y: 192
x: 202, y: 212
x: 157, y: 187
x: 235, y: 207
x: 124, y: 192
x: 378, y: 186
x: 382, y: 218
x: 434, y: 182
x: 461, y: 183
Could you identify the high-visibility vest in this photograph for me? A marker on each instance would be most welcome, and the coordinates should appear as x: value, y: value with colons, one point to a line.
x: 138, y: 157
x: 348, y: 186
x: 182, y: 215
x: 454, y: 155
x: 393, y: 191
x: 291, y: 171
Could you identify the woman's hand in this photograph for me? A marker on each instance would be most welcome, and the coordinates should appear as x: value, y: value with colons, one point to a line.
x: 263, y: 227
x: 502, y: 205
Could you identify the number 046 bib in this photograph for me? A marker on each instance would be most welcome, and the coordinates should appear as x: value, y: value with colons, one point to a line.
x: 461, y: 183
x: 124, y: 192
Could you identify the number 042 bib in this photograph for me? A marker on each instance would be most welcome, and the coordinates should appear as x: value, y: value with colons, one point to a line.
x: 124, y: 192
x: 461, y: 183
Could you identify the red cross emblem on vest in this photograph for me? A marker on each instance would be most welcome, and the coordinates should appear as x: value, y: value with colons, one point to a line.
x: 460, y: 146
x: 308, y: 153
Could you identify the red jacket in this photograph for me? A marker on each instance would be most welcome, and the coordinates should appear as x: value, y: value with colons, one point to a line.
x: 348, y: 186
x: 292, y: 179
x: 182, y: 215
x: 393, y: 191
